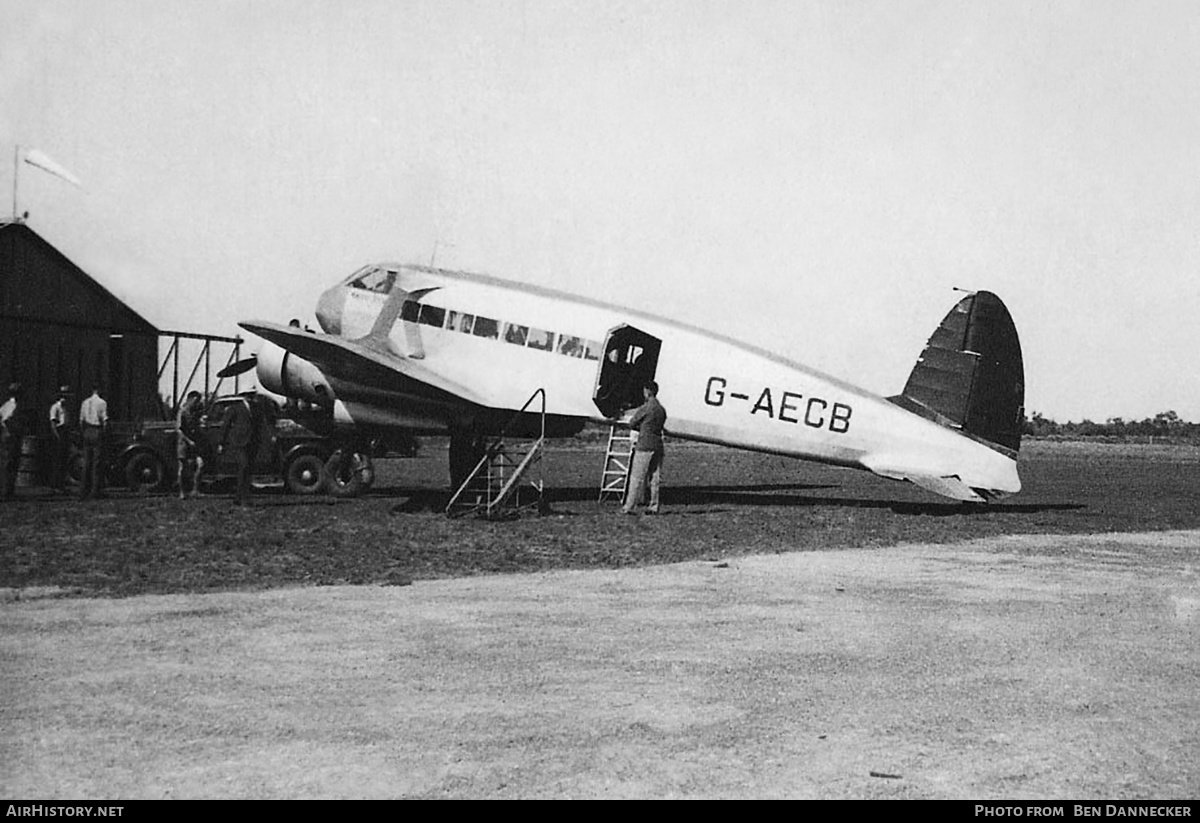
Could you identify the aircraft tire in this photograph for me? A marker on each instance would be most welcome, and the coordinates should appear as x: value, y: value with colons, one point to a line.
x: 305, y: 474
x: 144, y: 473
x: 347, y: 473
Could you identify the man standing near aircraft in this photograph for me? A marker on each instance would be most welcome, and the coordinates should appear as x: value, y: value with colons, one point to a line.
x: 238, y: 439
x: 10, y: 441
x: 187, y: 443
x: 60, y: 439
x: 93, y: 420
x: 648, y: 419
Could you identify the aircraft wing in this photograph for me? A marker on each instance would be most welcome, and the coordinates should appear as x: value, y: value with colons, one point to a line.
x: 356, y: 361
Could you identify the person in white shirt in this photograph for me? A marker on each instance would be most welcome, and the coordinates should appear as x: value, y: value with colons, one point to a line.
x: 60, y: 439
x: 10, y: 441
x: 93, y: 420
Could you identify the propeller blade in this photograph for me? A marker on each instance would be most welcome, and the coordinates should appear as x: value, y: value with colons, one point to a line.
x: 240, y: 367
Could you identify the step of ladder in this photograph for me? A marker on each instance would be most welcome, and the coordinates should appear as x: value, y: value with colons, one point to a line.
x: 498, y: 487
x: 494, y: 487
x: 618, y: 458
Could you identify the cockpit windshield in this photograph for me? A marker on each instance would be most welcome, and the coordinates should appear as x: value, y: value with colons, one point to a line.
x: 374, y: 279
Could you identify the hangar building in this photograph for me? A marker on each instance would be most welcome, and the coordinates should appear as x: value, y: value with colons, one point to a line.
x: 58, y: 326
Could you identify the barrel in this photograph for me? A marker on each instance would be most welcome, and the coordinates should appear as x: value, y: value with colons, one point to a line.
x: 29, y: 466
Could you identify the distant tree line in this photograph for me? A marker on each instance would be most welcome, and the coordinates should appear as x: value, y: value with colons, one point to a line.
x: 1165, y: 426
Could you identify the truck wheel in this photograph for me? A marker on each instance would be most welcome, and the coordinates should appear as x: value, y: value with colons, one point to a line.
x: 305, y: 475
x: 144, y: 473
x: 348, y: 473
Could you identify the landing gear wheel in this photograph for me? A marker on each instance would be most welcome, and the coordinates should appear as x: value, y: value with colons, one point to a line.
x: 144, y: 473
x: 305, y: 475
x: 349, y: 473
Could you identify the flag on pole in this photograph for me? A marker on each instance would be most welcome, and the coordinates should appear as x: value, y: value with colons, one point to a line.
x: 39, y: 159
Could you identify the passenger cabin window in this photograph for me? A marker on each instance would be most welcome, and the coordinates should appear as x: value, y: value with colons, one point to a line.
x: 515, y: 334
x: 486, y: 327
x: 570, y: 346
x: 432, y: 316
x: 460, y: 322
x: 541, y: 339
x: 409, y: 311
x: 376, y: 280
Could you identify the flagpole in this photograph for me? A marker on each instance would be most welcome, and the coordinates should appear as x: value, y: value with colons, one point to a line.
x: 16, y: 173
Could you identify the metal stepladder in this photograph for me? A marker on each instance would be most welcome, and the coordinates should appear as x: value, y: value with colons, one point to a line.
x: 505, y: 481
x: 618, y: 459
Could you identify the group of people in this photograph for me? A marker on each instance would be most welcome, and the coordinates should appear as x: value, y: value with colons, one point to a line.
x: 93, y: 420
x: 238, y: 436
x: 237, y: 441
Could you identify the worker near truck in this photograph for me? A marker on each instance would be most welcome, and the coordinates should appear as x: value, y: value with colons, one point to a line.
x: 187, y: 444
x: 238, y: 440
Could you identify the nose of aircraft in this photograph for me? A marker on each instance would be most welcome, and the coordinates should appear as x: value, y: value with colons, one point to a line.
x: 329, y: 310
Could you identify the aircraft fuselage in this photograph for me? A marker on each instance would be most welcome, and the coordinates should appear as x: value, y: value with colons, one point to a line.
x: 503, y: 341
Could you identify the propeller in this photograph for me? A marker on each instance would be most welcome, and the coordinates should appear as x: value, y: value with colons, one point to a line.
x: 240, y: 367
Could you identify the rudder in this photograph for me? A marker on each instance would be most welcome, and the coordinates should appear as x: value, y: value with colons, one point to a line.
x: 971, y: 376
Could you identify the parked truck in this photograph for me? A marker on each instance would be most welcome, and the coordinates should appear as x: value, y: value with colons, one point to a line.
x: 301, y: 447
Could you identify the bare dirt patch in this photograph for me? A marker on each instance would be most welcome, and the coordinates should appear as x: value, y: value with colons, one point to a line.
x: 1025, y: 667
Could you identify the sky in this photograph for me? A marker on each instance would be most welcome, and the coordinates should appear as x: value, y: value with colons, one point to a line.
x: 813, y: 177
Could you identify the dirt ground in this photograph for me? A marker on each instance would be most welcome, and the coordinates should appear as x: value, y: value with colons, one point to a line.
x: 788, y: 633
x: 1019, y: 667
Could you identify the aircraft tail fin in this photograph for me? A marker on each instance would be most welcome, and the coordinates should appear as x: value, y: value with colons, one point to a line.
x: 970, y: 376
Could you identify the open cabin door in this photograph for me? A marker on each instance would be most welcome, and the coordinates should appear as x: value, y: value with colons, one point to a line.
x: 629, y: 362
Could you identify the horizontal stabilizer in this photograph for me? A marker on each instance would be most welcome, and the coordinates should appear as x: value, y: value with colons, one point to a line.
x: 947, y: 485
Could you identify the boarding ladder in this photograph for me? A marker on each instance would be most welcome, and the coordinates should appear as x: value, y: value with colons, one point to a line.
x: 507, y: 479
x: 618, y: 458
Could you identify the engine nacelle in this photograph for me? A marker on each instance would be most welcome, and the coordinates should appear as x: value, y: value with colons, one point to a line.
x: 367, y: 414
x: 283, y: 373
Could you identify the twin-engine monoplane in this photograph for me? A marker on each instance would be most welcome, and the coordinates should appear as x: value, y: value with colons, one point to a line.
x: 436, y: 351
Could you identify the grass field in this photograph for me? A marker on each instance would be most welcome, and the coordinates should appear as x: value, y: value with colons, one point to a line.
x: 717, y: 502
x: 783, y: 630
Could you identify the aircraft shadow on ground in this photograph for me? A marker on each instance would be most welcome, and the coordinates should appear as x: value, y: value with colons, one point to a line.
x: 764, y: 495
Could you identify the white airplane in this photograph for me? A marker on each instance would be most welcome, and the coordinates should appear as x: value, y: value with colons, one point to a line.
x: 432, y: 350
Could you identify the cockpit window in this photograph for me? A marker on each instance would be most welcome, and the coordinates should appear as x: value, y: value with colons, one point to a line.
x: 376, y: 280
